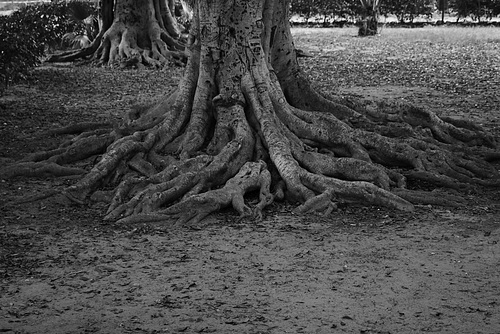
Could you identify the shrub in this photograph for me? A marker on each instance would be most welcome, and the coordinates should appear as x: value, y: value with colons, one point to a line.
x: 30, y: 30
x: 19, y: 51
x: 48, y: 22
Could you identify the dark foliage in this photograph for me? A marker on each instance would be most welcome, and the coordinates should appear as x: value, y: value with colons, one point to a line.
x: 407, y: 11
x: 19, y: 50
x: 476, y: 9
x: 327, y: 12
x: 27, y: 33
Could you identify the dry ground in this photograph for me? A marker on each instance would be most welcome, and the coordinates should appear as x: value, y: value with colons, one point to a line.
x: 362, y: 270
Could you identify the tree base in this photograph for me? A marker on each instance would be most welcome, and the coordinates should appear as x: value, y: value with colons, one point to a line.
x: 137, y: 37
x: 245, y: 119
x: 368, y: 27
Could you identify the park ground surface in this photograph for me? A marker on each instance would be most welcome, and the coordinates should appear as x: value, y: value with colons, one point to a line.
x: 360, y: 270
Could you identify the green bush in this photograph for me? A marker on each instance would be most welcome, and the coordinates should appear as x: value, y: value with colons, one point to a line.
x: 32, y: 29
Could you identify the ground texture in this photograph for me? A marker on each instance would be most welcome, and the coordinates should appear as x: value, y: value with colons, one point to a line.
x: 361, y: 270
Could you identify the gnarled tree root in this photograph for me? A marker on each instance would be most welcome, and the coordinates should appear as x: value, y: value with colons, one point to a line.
x: 437, y: 198
x: 37, y: 169
x: 252, y: 176
x: 245, y: 119
x: 78, y: 128
x: 50, y: 163
x: 143, y: 33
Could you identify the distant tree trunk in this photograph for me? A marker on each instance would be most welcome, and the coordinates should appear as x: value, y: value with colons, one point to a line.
x: 369, y: 18
x: 245, y: 120
x: 106, y: 14
x: 401, y: 17
x: 133, y: 33
x: 443, y: 4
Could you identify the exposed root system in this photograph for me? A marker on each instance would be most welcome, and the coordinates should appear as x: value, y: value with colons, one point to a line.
x: 245, y: 120
x: 134, y: 34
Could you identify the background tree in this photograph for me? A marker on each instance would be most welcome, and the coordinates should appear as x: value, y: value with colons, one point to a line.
x: 133, y: 32
x: 476, y: 9
x: 341, y: 9
x: 370, y: 13
x: 328, y: 10
x: 244, y: 119
x: 442, y: 6
x: 305, y: 8
x: 407, y: 11
x: 466, y: 8
x: 489, y: 8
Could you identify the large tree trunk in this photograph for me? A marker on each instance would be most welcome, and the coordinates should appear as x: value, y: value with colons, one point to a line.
x: 244, y: 118
x: 134, y: 33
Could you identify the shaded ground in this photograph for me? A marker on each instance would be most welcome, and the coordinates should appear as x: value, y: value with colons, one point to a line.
x: 362, y: 270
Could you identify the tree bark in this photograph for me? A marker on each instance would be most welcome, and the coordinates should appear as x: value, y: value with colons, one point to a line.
x: 134, y: 33
x: 245, y: 119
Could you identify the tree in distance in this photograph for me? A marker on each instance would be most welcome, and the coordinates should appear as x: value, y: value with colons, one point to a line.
x: 370, y: 13
x: 244, y: 119
x: 134, y: 33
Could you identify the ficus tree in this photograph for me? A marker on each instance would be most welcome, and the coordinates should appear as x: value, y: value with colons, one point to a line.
x: 133, y: 33
x: 245, y: 120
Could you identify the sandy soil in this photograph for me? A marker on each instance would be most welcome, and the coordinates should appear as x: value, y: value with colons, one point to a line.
x: 361, y: 270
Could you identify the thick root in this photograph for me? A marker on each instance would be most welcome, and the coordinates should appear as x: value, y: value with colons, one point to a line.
x: 83, y: 148
x: 120, y: 150
x: 252, y: 176
x: 190, y: 176
x: 357, y: 192
x: 438, y: 198
x: 72, y: 55
x: 38, y: 169
x: 121, y: 46
x: 444, y: 130
x: 79, y: 128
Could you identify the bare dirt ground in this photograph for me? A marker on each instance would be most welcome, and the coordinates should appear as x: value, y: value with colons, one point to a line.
x: 361, y: 270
